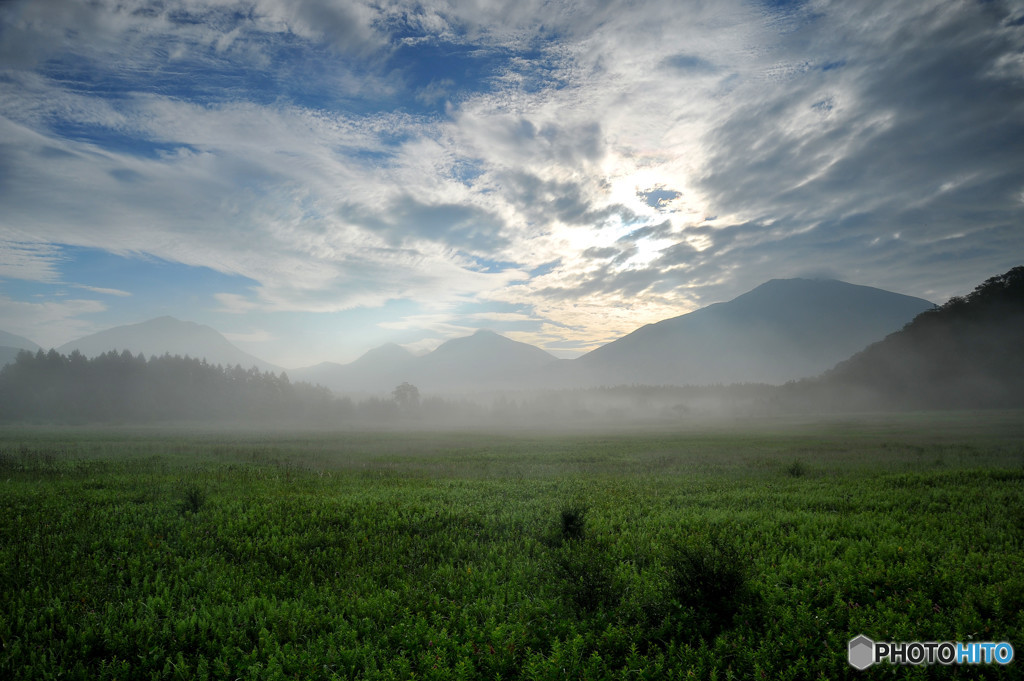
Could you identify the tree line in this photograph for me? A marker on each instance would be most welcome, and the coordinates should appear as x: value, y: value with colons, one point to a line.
x: 122, y: 387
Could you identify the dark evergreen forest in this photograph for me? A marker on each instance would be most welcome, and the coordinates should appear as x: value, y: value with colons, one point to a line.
x: 121, y: 387
x: 965, y: 354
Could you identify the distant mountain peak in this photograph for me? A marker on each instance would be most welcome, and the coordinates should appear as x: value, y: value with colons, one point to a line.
x: 782, y: 330
x: 11, y: 340
x: 167, y: 335
x: 483, y: 360
x: 388, y: 352
x: 482, y: 339
x: 168, y: 322
x: 805, y: 285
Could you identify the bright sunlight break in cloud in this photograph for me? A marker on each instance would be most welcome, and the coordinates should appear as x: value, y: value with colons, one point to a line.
x: 317, y: 177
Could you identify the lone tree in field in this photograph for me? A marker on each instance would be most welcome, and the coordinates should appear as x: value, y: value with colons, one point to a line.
x: 406, y: 396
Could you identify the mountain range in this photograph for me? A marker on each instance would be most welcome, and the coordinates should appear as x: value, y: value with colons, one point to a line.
x: 783, y: 330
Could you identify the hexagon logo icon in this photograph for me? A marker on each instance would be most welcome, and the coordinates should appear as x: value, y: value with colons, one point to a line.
x: 861, y: 652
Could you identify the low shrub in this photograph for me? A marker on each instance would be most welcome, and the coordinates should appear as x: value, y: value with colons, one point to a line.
x: 586, y: 570
x: 193, y: 498
x: 708, y: 582
x: 573, y: 522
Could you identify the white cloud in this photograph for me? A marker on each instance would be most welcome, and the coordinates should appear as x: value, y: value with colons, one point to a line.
x: 438, y: 323
x: 29, y: 261
x: 232, y: 303
x: 105, y: 291
x: 500, y: 316
x: 423, y: 346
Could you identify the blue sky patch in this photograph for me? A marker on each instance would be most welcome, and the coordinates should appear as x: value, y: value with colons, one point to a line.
x: 156, y: 287
x: 659, y: 198
x: 436, y: 73
x: 115, y: 140
x: 689, y: 62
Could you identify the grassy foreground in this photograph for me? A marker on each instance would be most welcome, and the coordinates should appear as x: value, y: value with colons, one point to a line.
x: 696, y: 553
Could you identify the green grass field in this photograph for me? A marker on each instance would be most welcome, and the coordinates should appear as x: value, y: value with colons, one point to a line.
x: 752, y: 550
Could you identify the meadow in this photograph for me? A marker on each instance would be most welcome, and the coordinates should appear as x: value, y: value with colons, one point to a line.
x: 712, y: 551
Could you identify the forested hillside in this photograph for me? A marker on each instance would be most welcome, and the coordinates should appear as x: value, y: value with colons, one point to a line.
x: 967, y: 353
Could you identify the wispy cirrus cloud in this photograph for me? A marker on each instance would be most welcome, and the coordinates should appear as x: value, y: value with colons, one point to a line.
x: 103, y: 291
x: 29, y: 260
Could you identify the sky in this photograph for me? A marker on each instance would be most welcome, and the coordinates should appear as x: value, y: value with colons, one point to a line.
x: 314, y: 178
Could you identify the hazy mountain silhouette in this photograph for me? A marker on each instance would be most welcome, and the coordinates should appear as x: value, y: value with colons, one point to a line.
x: 377, y: 371
x: 782, y: 330
x: 482, y: 361
x: 485, y: 360
x: 167, y: 335
x: 11, y: 345
x: 10, y: 340
x: 968, y: 353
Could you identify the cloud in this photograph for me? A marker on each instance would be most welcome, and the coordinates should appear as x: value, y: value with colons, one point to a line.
x: 453, y: 322
x: 659, y: 198
x: 233, y: 303
x: 907, y: 113
x: 423, y: 346
x: 29, y: 261
x: 282, y: 220
x: 105, y: 291
x: 51, y: 323
x: 310, y: 187
x: 601, y: 253
x: 500, y: 316
x: 347, y: 26
x: 297, y: 144
x: 568, y: 202
x: 689, y: 63
x: 662, y: 230
x: 438, y: 323
x: 460, y: 225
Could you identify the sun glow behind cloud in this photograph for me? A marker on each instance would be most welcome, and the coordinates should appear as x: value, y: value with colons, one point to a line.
x: 583, y: 171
